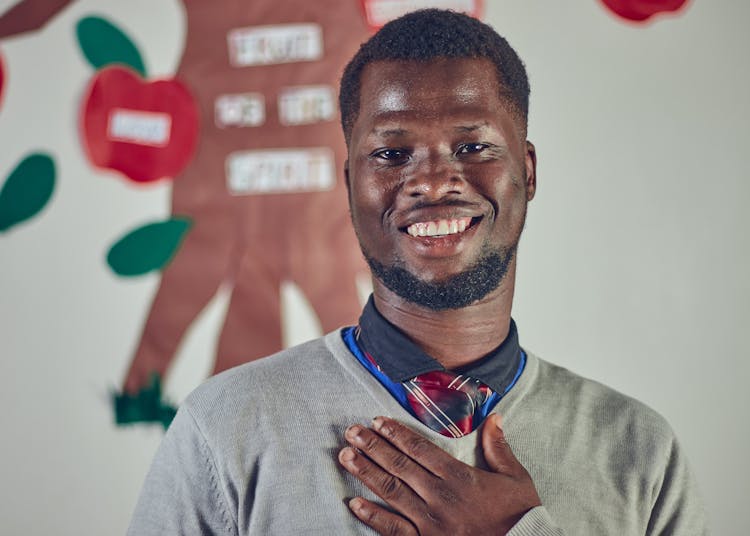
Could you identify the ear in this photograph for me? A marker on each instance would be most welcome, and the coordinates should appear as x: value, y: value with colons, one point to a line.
x: 530, y: 170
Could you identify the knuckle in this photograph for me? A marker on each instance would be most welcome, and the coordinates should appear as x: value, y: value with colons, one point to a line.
x: 392, y: 487
x: 400, y: 463
x: 370, y: 443
x: 502, y: 444
x: 448, y: 495
x: 393, y: 528
x: 362, y: 471
x: 464, y: 474
x: 417, y: 446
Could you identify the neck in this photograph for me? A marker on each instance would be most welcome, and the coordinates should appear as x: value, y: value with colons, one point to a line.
x: 453, y: 337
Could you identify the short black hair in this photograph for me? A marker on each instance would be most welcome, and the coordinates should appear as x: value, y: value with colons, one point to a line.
x: 429, y: 34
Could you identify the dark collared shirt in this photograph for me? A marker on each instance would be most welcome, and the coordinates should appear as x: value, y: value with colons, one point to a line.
x: 401, y: 360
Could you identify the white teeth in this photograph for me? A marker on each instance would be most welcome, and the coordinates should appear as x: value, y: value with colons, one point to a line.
x: 439, y: 227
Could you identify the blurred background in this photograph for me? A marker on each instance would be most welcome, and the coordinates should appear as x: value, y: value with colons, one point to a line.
x: 633, y: 269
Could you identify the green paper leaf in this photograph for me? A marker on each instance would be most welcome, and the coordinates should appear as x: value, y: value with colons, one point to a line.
x: 103, y: 43
x: 27, y: 189
x: 147, y: 248
x: 146, y: 406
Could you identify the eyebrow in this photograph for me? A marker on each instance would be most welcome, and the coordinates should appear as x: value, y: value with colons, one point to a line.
x: 401, y: 131
x: 471, y: 128
x: 390, y: 132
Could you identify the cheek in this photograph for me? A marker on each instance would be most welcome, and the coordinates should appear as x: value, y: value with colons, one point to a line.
x: 367, y: 208
x: 499, y: 185
x: 365, y: 202
x: 512, y: 203
x: 372, y: 195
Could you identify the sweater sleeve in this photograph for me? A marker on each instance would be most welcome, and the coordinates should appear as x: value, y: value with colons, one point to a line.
x: 536, y: 522
x: 678, y: 507
x: 182, y: 493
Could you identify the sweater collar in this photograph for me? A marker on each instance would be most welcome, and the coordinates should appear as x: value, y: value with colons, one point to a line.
x: 400, y: 359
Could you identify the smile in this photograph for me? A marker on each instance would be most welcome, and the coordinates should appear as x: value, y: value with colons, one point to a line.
x: 439, y: 227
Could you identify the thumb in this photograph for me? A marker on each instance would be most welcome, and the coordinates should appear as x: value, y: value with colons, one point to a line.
x: 497, y: 453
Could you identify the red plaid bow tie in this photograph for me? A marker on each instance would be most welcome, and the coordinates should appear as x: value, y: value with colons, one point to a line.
x: 446, y: 402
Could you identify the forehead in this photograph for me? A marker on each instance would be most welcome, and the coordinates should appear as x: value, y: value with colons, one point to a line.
x: 417, y: 91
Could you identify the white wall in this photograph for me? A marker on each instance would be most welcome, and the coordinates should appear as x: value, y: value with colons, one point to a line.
x: 633, y: 269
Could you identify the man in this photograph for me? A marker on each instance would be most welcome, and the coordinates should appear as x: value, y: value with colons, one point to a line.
x: 439, y: 172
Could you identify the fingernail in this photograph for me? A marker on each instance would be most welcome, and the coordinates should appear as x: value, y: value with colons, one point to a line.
x: 377, y: 423
x: 353, y: 431
x: 356, y: 503
x: 346, y: 455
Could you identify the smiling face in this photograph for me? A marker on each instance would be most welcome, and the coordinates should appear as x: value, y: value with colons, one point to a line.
x: 439, y: 176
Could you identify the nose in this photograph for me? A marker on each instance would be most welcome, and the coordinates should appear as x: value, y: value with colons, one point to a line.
x: 434, y: 178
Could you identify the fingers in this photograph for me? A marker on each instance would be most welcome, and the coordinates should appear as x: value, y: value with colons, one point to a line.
x: 416, y: 447
x: 388, y: 487
x: 429, y: 491
x: 381, y: 520
x: 497, y: 452
x: 389, y: 458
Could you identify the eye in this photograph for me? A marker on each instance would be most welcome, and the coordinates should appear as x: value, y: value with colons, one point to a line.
x: 471, y: 148
x: 391, y: 156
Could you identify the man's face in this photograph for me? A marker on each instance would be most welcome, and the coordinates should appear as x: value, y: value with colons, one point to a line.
x: 439, y: 176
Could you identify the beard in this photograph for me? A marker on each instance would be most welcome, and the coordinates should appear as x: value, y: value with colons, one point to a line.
x: 457, y: 291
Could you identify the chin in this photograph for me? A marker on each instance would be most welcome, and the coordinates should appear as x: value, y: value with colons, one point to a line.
x: 448, y: 291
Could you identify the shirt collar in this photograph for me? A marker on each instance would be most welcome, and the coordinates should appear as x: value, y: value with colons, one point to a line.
x: 400, y: 359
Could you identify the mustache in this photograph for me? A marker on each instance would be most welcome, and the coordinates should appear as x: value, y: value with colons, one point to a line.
x: 446, y: 203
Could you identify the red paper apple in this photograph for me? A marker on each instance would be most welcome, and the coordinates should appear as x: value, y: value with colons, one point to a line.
x: 146, y: 130
x: 379, y: 12
x: 641, y: 10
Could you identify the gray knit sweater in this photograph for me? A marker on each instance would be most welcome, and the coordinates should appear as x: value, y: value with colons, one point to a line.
x: 254, y: 451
